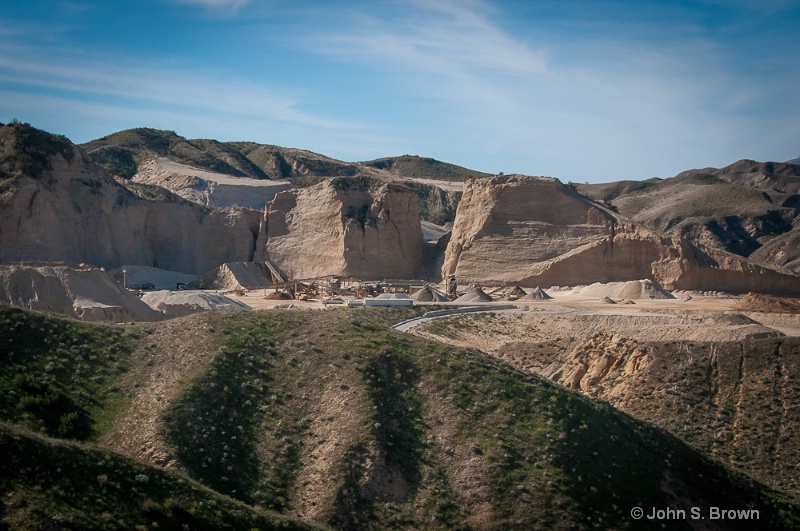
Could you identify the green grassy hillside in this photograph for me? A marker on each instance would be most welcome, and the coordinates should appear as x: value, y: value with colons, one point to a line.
x: 333, y: 418
x: 52, y: 484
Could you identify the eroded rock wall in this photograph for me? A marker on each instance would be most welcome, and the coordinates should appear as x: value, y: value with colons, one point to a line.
x: 539, y: 232
x: 346, y: 227
x: 76, y: 212
x: 505, y: 224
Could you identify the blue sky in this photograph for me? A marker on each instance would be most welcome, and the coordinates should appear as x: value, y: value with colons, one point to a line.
x: 582, y: 90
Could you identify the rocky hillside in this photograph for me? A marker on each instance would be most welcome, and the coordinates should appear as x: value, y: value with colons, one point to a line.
x: 538, y: 231
x: 122, y: 153
x: 748, y: 208
x: 347, y: 424
x: 70, y: 209
x: 737, y: 401
x: 208, y: 188
x: 58, y: 206
x: 722, y: 382
x: 147, y: 153
x: 535, y: 231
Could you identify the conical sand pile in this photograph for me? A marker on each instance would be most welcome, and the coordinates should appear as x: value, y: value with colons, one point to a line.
x: 474, y: 295
x: 537, y: 294
x: 516, y: 293
x: 426, y: 294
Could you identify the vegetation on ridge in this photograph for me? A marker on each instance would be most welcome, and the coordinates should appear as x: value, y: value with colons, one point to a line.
x: 50, y: 484
x: 25, y: 150
x: 121, y: 153
x: 55, y: 374
x: 424, y: 168
x: 336, y: 419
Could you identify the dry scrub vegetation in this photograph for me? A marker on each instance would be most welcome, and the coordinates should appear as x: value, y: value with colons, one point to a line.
x: 331, y: 418
x: 722, y: 382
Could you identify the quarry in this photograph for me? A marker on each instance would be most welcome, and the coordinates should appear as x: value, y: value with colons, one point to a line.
x: 628, y: 297
x: 322, y: 241
x: 132, y: 252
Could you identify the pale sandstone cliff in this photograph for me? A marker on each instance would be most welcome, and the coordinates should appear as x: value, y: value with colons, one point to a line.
x: 348, y: 227
x: 209, y: 188
x: 74, y: 211
x: 539, y: 232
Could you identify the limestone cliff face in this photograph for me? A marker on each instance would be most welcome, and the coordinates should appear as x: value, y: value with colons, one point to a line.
x: 506, y: 223
x: 209, y: 188
x: 74, y: 211
x: 347, y: 227
x: 536, y: 231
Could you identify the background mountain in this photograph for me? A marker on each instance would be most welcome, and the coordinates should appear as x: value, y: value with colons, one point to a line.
x: 524, y: 232
x: 424, y: 168
x: 140, y: 154
x: 748, y: 208
x: 122, y: 153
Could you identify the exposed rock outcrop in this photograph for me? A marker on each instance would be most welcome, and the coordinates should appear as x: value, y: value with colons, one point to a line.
x: 748, y: 208
x: 537, y: 231
x: 74, y: 211
x: 505, y: 221
x: 346, y: 227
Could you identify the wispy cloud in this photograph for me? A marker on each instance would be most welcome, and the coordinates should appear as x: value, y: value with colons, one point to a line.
x: 52, y: 70
x: 442, y: 36
x: 766, y: 6
x: 549, y: 102
x: 553, y: 87
x: 229, y: 5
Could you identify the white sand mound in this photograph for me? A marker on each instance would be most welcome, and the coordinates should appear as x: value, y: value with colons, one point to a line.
x: 88, y: 294
x: 634, y: 289
x: 426, y: 294
x: 137, y: 276
x: 385, y: 296
x: 180, y: 303
x: 474, y: 295
x: 239, y: 275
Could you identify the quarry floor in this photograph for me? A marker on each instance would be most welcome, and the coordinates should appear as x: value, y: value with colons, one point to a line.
x: 700, y: 318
